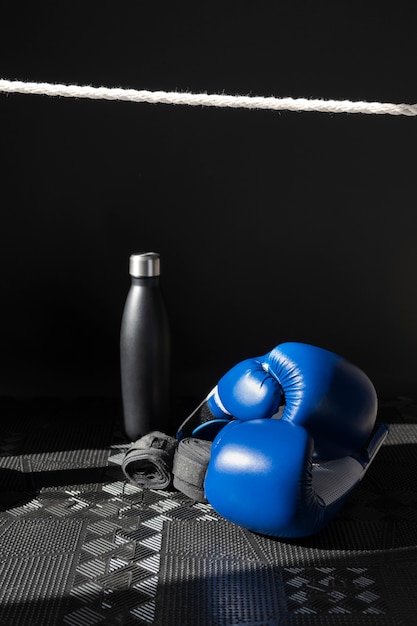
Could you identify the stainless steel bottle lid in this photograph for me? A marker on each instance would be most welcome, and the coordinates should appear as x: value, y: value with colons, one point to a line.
x: 144, y: 265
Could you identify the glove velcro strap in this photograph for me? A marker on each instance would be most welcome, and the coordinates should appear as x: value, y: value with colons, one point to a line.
x: 148, y: 461
x: 190, y: 466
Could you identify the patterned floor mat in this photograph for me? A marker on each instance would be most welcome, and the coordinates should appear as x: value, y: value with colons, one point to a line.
x: 79, y: 546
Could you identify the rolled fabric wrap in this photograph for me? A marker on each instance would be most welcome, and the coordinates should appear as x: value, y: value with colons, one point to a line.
x: 148, y: 461
x: 190, y: 466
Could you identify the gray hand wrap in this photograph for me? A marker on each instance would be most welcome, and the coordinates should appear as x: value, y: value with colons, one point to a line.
x: 148, y: 461
x: 190, y: 465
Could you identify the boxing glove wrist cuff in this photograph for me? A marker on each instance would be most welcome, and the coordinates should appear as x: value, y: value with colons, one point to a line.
x: 206, y: 420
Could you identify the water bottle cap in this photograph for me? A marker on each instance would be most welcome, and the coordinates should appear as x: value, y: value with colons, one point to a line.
x: 144, y: 265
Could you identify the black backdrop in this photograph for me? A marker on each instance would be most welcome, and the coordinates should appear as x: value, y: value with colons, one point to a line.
x: 271, y: 226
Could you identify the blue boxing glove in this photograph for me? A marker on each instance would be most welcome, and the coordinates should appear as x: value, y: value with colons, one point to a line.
x: 261, y: 476
x: 302, y: 384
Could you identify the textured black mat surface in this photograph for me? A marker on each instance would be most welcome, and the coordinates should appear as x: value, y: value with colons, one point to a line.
x: 79, y: 546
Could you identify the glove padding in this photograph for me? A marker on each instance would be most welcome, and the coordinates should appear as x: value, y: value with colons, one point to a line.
x: 331, y: 398
x: 261, y: 476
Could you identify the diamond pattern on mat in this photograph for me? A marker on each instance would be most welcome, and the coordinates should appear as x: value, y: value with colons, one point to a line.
x: 331, y: 590
x: 78, y: 521
x: 117, y: 573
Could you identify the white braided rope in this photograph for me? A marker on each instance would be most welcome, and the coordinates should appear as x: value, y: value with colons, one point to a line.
x: 207, y: 100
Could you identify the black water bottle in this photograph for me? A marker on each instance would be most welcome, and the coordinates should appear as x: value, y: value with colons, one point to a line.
x: 145, y: 350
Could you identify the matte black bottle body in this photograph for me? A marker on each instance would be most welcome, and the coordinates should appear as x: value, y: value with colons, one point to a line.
x: 145, y: 354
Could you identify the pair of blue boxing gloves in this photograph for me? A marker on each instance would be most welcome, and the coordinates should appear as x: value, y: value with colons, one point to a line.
x: 286, y: 437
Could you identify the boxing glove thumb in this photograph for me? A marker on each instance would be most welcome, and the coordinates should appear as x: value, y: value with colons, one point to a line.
x: 246, y: 391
